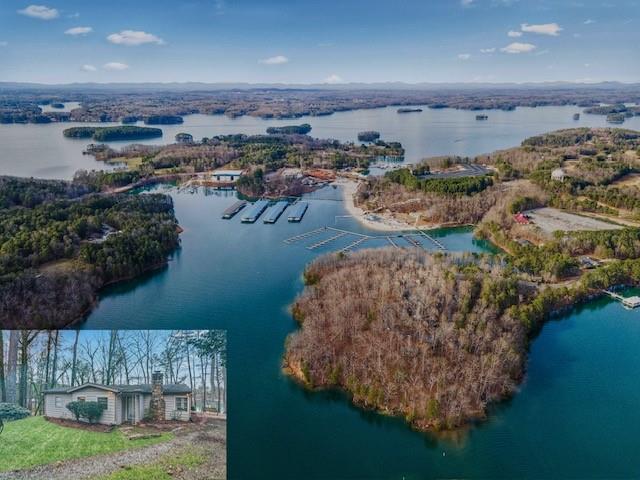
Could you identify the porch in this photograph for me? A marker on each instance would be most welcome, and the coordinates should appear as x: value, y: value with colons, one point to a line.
x: 132, y: 408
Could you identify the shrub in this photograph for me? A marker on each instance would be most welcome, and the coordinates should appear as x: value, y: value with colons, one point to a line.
x: 11, y: 411
x: 89, y: 411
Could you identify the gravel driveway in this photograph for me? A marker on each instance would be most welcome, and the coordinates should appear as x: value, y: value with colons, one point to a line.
x: 212, y: 436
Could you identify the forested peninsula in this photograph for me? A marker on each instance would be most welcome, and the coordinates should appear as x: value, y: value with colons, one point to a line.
x: 60, y: 242
x: 437, y: 338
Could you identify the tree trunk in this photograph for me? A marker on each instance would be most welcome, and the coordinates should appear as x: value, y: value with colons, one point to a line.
x: 24, y: 362
x: 54, y: 365
x: 12, y: 367
x: 3, y: 390
x: 74, y: 361
x: 203, y: 371
x: 190, y: 374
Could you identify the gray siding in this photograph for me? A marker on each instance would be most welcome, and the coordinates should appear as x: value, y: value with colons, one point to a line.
x: 170, y: 408
x: 90, y: 394
x: 50, y: 409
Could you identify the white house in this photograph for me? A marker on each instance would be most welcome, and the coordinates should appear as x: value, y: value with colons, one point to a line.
x: 558, y: 174
x: 124, y: 403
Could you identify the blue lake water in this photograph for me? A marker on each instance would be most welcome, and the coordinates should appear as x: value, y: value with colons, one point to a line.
x: 574, y: 417
x: 42, y: 151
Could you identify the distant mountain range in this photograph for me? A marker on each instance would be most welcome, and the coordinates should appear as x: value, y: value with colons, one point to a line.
x: 201, y: 86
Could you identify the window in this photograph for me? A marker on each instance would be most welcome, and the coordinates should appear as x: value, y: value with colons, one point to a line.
x: 104, y: 401
x: 58, y: 402
x: 181, y: 404
x: 81, y: 399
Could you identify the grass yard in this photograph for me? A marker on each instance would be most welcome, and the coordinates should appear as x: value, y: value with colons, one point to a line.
x: 34, y: 441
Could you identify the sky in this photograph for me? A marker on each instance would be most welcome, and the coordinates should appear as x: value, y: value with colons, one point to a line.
x: 313, y: 41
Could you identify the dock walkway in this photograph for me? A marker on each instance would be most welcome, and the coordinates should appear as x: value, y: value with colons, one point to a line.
x: 629, y: 302
x: 414, y: 239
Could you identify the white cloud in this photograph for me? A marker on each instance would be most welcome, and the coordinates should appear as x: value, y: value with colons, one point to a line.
x: 542, y: 29
x: 466, y: 3
x: 488, y: 50
x: 589, y: 21
x: 4, y: 44
x: 518, y: 47
x: 133, y: 38
x: 464, y: 56
x: 333, y: 78
x: 78, y: 31
x: 117, y: 66
x: 73, y: 15
x: 40, y: 11
x: 88, y: 68
x: 514, y: 33
x: 277, y: 60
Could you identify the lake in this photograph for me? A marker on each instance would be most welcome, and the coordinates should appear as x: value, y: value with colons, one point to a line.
x: 573, y: 417
x: 577, y: 408
x: 42, y: 151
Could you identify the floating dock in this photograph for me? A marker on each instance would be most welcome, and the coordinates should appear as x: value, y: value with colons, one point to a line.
x: 416, y: 239
x: 233, y: 209
x: 298, y: 211
x: 273, y: 214
x: 255, y: 211
x: 628, y: 302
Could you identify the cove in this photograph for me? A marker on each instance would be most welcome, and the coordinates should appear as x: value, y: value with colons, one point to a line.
x: 573, y: 417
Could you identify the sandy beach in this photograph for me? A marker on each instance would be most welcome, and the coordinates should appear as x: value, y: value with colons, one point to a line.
x: 374, y: 221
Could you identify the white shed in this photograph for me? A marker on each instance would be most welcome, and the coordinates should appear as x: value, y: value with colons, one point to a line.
x: 558, y: 174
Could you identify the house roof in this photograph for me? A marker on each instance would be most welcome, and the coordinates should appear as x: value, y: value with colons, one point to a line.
x: 170, y: 389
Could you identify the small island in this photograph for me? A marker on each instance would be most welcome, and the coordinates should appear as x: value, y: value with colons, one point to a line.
x: 290, y: 129
x: 368, y: 136
x: 107, y: 134
x: 163, y: 120
x: 409, y: 110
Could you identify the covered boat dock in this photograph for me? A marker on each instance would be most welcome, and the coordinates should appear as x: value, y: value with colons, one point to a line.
x: 254, y: 212
x: 298, y: 211
x: 231, y: 211
x: 275, y: 211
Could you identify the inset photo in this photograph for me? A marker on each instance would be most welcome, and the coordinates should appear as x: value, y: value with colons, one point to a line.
x: 113, y: 405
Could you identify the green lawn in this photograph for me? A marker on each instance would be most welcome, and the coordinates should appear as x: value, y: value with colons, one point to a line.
x: 34, y: 441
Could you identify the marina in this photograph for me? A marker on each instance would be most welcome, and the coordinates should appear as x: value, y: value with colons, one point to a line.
x: 254, y: 212
x: 273, y: 214
x: 299, y: 209
x: 400, y: 240
x: 231, y: 211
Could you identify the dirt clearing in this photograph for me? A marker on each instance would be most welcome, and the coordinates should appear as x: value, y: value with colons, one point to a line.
x: 552, y: 219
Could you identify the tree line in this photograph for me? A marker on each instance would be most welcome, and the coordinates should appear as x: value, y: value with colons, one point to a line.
x: 33, y: 361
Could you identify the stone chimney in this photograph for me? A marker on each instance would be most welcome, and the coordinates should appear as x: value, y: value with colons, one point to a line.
x: 156, y: 407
